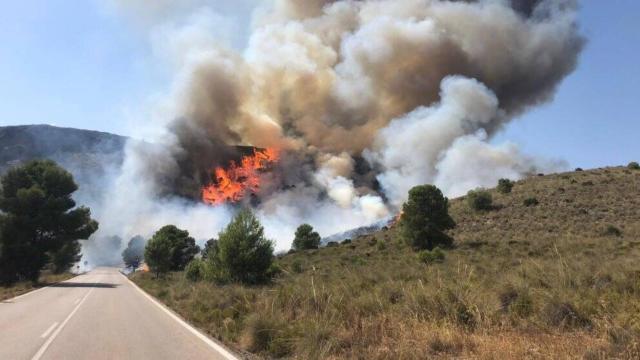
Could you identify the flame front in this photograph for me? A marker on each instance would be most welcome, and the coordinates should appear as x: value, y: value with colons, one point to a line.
x: 235, y: 182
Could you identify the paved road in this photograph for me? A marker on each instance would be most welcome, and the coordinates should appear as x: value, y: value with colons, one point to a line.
x: 98, y: 315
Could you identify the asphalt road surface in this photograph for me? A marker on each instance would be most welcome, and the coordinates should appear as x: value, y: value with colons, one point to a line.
x: 98, y: 315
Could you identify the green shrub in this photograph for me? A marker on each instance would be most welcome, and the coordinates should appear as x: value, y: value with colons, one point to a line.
x: 633, y: 165
x: 611, y: 230
x: 332, y: 244
x: 425, y: 218
x: 479, y: 200
x: 134, y: 253
x: 210, y: 248
x: 194, y: 270
x: 274, y: 270
x: 346, y: 241
x: 505, y: 186
x: 578, y: 169
x: 530, y: 202
x: 306, y: 238
x: 296, y: 266
x: 170, y: 248
x: 431, y: 256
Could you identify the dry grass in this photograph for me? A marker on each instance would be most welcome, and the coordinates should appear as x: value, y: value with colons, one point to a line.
x: 537, y: 282
x: 46, y: 278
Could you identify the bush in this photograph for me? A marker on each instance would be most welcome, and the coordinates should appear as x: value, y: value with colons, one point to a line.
x: 479, y: 200
x: 134, y: 253
x: 273, y: 270
x: 425, y: 218
x: 505, y: 186
x: 180, y: 246
x: 210, y: 248
x: 578, y: 169
x: 244, y: 254
x: 194, y: 270
x: 633, y: 166
x: 346, y: 241
x: 296, y: 266
x: 332, y: 244
x: 530, y: 202
x: 306, y: 238
x: 430, y: 257
x: 611, y: 230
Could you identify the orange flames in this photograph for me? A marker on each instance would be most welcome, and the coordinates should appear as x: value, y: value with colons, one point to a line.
x: 233, y: 183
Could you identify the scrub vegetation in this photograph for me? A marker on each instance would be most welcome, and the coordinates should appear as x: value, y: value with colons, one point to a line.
x: 552, y: 280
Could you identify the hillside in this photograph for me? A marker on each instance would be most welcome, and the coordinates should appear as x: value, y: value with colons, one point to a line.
x: 22, y: 143
x: 89, y: 155
x: 560, y: 279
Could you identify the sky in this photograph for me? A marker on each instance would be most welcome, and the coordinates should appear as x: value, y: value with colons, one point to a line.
x: 81, y: 64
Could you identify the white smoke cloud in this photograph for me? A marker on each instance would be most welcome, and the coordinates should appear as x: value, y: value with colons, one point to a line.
x: 472, y: 162
x: 418, y: 88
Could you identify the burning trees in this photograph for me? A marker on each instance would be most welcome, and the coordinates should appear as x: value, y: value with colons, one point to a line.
x: 232, y: 184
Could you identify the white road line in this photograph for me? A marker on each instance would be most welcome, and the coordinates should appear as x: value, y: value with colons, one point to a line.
x: 44, y: 347
x: 49, y: 330
x: 25, y: 294
x: 212, y: 344
x: 38, y: 290
x: 77, y: 301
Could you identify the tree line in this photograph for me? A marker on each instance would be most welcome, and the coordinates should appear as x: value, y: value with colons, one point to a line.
x: 40, y: 227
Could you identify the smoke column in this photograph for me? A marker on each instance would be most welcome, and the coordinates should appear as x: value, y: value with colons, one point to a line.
x: 364, y: 99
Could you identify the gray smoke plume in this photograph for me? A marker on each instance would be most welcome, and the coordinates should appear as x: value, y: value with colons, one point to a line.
x: 365, y: 99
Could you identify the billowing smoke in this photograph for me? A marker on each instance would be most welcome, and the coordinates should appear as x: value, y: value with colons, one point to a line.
x: 364, y: 99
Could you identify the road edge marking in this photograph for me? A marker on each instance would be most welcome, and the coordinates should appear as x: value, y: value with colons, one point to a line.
x: 38, y: 290
x: 53, y: 336
x: 49, y: 330
x: 212, y: 344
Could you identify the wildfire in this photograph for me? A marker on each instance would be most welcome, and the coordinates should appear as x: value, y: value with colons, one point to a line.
x: 236, y: 181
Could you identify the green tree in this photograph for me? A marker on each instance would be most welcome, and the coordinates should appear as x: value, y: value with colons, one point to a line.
x: 243, y: 253
x: 66, y: 256
x: 210, y: 248
x: 133, y: 255
x: 182, y: 248
x: 306, y: 238
x: 40, y: 221
x: 194, y: 270
x: 425, y: 218
x: 157, y: 254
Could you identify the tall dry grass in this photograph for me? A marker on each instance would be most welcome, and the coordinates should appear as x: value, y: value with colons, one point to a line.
x: 538, y: 282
